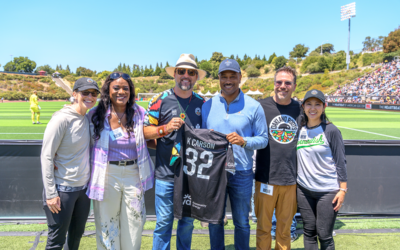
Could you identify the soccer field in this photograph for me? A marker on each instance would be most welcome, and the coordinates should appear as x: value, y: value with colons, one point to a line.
x: 355, y: 124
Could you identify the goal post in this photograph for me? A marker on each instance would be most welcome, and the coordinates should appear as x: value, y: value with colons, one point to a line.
x: 145, y: 96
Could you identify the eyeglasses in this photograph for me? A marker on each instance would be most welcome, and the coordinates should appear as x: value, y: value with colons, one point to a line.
x: 116, y: 75
x: 191, y: 72
x: 87, y: 93
x: 279, y: 83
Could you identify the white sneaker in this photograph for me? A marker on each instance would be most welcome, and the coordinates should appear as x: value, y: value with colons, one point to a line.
x: 33, y: 123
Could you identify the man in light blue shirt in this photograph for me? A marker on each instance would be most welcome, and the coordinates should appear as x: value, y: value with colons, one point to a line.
x: 242, y: 119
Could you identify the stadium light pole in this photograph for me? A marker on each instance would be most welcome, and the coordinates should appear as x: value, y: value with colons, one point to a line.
x: 347, y: 12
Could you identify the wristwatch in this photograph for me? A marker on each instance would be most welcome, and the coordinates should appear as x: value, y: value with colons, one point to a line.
x: 344, y: 189
x: 245, y: 143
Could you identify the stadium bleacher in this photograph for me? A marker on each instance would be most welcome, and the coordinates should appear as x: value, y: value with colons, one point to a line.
x: 380, y: 86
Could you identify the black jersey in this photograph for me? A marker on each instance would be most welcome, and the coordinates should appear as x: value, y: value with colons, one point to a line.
x: 201, y: 158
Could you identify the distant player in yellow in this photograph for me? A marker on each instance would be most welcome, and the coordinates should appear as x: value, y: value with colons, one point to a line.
x: 33, y: 100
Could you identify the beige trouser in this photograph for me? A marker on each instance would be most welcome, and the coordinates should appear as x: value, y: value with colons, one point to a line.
x: 120, y: 217
x: 283, y: 200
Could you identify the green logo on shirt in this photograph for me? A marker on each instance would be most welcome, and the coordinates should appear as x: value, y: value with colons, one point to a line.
x: 311, y: 142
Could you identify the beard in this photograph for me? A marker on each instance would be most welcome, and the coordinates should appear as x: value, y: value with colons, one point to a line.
x: 185, y: 88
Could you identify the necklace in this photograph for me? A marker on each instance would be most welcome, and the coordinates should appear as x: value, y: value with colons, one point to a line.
x: 182, y: 115
x: 119, y: 118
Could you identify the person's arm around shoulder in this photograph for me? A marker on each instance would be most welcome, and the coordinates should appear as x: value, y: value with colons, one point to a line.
x: 205, y: 110
x: 336, y: 145
x: 259, y: 140
x: 52, y: 139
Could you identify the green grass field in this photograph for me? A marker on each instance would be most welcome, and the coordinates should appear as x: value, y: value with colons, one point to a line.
x: 355, y: 124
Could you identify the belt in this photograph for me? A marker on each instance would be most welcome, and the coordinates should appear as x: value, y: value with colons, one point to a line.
x: 123, y: 163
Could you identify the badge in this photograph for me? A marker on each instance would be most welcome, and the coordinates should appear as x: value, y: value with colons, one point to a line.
x: 89, y: 80
x: 174, y: 112
x: 117, y: 134
x: 303, y: 135
x: 198, y: 126
x: 314, y: 92
x: 267, y: 189
x: 197, y: 111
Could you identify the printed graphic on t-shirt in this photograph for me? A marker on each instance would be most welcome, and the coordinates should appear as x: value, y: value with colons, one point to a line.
x: 283, y: 129
x: 316, y: 141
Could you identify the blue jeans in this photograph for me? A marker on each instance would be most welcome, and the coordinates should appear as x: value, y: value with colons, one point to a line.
x: 239, y: 189
x: 164, y: 205
x: 253, y: 217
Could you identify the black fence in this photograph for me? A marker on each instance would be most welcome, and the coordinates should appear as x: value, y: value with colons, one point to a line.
x: 364, y: 106
x: 373, y: 179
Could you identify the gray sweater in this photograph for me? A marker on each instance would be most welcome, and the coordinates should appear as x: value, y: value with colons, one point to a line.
x: 65, y: 145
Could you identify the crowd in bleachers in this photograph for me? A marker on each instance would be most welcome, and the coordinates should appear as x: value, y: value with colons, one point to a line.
x: 382, y: 85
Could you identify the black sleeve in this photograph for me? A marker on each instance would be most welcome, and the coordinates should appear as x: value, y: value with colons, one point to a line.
x: 336, y: 144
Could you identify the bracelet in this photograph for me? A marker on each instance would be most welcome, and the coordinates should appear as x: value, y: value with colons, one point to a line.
x: 162, y: 131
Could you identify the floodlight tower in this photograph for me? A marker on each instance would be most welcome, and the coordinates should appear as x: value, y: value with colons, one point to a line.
x: 347, y: 12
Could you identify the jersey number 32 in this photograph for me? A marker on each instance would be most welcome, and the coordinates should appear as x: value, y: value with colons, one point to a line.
x: 192, y: 163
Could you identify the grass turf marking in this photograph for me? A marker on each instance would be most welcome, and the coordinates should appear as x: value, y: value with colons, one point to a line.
x: 368, y: 132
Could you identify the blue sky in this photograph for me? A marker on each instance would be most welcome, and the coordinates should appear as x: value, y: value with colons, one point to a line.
x: 101, y: 34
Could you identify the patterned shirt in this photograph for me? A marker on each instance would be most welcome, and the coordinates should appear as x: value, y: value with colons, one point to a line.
x: 162, y: 108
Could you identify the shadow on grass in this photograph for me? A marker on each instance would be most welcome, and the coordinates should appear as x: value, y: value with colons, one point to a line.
x: 232, y: 247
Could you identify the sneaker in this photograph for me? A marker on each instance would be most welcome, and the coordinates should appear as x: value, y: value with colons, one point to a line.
x: 39, y: 123
x: 293, y: 237
x: 333, y: 233
x: 33, y: 123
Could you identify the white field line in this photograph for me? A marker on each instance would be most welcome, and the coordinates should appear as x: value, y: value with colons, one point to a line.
x: 21, y: 133
x: 367, y: 110
x: 368, y: 132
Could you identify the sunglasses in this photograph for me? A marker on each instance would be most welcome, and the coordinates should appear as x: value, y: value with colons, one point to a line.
x: 87, y: 93
x: 279, y: 83
x: 116, y: 75
x: 191, y: 72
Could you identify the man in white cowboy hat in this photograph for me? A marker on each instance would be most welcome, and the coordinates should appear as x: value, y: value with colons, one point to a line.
x: 166, y: 113
x: 242, y: 119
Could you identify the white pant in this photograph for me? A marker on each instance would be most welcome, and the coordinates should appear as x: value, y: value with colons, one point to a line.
x: 121, y: 215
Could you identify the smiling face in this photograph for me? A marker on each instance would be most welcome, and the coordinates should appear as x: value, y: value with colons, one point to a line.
x: 313, y: 109
x: 229, y: 82
x: 284, y: 87
x: 86, y: 102
x: 119, y: 92
x: 185, y: 82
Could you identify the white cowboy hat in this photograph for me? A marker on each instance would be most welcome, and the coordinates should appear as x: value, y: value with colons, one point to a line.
x: 186, y: 61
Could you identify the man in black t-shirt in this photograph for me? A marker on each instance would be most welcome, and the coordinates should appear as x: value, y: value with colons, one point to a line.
x: 166, y: 113
x: 201, y: 158
x: 276, y: 170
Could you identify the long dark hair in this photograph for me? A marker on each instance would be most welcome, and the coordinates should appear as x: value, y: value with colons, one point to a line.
x: 100, y: 114
x: 304, y: 118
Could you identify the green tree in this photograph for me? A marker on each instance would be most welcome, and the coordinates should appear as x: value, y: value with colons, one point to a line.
x: 67, y: 68
x: 232, y: 57
x: 367, y: 44
x: 280, y: 62
x: 104, y: 74
x: 326, y: 48
x: 252, y: 71
x: 164, y: 75
x: 166, y: 65
x: 391, y: 43
x: 264, y: 59
x: 57, y: 68
x: 82, y: 71
x: 207, y: 66
x: 300, y: 50
x: 20, y: 64
x: 61, y: 68
x: 46, y: 68
x: 271, y: 57
x: 217, y: 57
x: 244, y: 57
x: 157, y: 72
